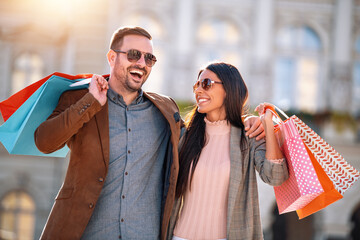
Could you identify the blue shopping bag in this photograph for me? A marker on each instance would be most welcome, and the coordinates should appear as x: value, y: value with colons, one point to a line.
x: 17, y: 133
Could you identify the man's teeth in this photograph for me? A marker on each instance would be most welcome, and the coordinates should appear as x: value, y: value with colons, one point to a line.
x: 137, y: 72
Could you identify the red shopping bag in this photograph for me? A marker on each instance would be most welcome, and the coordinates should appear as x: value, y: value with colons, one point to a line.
x: 10, y: 105
x: 27, y: 109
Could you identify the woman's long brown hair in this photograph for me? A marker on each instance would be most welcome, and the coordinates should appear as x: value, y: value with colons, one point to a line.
x: 194, y: 137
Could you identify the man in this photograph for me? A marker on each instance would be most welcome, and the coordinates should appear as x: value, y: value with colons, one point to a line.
x: 120, y: 183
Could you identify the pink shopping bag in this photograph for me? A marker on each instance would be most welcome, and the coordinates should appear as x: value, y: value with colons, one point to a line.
x: 303, y: 184
x: 334, y: 173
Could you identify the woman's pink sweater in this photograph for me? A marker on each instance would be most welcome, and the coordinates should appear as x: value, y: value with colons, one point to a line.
x: 203, y: 215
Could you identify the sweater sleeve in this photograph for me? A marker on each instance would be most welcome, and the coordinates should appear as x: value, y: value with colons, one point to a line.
x: 271, y: 172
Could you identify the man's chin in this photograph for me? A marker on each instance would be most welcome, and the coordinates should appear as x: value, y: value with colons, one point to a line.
x: 135, y: 84
x: 134, y: 87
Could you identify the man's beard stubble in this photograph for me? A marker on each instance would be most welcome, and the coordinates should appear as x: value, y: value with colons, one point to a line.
x: 125, y: 79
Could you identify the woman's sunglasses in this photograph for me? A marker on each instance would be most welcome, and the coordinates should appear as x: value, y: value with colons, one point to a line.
x: 134, y: 55
x: 205, y: 83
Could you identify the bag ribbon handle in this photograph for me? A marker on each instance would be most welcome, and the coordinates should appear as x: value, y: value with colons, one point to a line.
x: 276, y: 118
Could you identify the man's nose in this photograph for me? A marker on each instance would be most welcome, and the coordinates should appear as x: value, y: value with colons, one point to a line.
x: 141, y: 60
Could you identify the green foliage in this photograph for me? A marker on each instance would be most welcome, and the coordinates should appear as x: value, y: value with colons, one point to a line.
x: 185, y: 107
x: 342, y: 121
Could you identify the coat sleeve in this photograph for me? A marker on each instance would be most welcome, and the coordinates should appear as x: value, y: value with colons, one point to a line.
x: 271, y: 173
x: 74, y: 109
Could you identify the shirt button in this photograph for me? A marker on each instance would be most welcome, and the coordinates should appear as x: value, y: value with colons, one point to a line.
x: 91, y: 205
x: 101, y: 179
x: 122, y: 220
x: 128, y: 151
x: 129, y: 129
x: 127, y: 109
x: 119, y: 236
x: 126, y: 173
x: 123, y: 196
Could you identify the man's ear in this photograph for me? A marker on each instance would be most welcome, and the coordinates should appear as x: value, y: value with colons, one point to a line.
x: 111, y: 57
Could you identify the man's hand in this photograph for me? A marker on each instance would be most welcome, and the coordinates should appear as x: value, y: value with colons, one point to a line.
x: 254, y: 127
x: 98, y: 88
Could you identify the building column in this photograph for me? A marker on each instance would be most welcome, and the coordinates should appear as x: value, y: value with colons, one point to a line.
x: 68, y: 58
x: 182, y: 51
x: 260, y: 69
x: 340, y: 87
x: 5, y: 68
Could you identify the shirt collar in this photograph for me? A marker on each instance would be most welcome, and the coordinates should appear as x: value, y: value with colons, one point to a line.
x: 118, y: 99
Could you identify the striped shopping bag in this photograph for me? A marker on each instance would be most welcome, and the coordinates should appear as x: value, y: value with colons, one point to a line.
x: 334, y: 173
x: 338, y: 171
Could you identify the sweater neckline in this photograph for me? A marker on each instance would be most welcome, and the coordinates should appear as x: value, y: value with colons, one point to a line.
x: 219, y: 127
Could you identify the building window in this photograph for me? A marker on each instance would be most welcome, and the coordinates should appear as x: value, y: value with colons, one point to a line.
x: 218, y: 39
x: 17, y: 216
x: 296, y: 72
x: 218, y: 31
x: 356, y: 80
x: 28, y: 68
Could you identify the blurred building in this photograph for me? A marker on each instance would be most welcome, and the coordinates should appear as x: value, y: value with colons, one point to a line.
x: 302, y: 55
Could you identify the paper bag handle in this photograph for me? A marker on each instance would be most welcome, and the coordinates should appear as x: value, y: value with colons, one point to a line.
x: 275, y: 114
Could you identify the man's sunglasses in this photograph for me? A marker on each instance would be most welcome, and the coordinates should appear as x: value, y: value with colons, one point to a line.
x: 134, y: 55
x: 205, y: 83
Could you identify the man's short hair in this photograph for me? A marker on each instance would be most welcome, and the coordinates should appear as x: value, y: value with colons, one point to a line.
x: 119, y: 34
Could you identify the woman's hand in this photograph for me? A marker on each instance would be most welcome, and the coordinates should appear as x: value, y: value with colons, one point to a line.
x: 273, y: 152
x: 265, y: 113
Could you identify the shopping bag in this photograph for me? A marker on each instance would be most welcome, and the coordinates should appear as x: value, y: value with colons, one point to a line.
x: 17, y: 133
x: 10, y: 105
x: 303, y: 185
x: 340, y: 173
x: 333, y: 172
x: 329, y: 196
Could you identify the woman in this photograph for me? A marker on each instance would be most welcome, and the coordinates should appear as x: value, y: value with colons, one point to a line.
x: 216, y: 193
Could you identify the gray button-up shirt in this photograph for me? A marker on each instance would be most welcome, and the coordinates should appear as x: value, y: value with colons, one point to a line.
x: 129, y: 206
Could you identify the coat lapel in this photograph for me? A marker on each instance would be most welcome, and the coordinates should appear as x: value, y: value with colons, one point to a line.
x: 166, y: 111
x: 102, y: 122
x: 236, y: 169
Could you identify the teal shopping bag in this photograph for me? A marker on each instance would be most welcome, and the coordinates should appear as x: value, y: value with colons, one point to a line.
x: 17, y: 133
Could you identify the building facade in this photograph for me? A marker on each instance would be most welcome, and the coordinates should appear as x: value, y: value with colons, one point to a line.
x: 302, y: 55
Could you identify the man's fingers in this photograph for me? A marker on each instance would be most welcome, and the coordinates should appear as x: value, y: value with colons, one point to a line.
x: 247, y: 125
x: 105, y: 84
x: 257, y: 131
x: 261, y: 136
x: 100, y: 82
x: 255, y: 126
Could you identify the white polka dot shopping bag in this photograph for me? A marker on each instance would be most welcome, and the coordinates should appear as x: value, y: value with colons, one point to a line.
x: 318, y: 175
